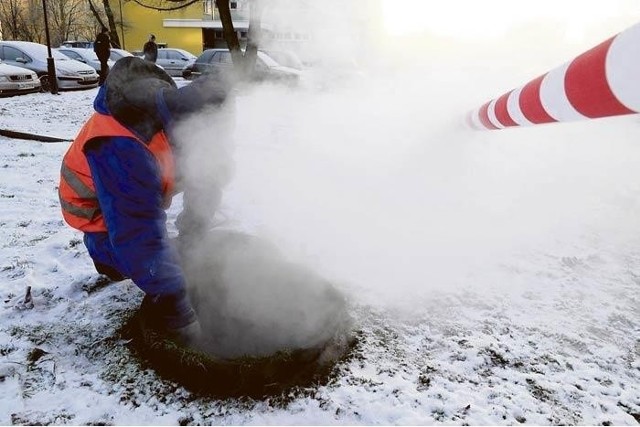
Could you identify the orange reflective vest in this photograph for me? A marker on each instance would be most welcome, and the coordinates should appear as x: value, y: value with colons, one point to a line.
x: 77, y: 193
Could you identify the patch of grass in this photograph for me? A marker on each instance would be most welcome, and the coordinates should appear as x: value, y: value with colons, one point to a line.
x: 7, y: 349
x: 537, y: 391
x: 495, y: 358
x: 281, y: 377
x: 73, y: 243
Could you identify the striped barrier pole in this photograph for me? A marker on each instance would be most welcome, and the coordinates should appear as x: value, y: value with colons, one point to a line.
x: 602, y: 82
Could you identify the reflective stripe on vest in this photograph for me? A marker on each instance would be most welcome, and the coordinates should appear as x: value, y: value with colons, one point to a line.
x: 78, y: 199
x: 82, y: 190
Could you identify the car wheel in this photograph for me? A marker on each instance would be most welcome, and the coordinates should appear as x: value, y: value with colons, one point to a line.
x: 45, y: 84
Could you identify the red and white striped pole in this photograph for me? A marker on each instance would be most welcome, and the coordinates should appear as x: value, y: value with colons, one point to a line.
x: 602, y: 82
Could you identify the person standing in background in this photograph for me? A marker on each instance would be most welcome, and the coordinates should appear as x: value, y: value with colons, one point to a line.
x: 102, y: 48
x: 150, y: 49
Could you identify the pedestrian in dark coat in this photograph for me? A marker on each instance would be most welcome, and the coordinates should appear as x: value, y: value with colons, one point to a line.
x: 150, y: 49
x: 102, y: 48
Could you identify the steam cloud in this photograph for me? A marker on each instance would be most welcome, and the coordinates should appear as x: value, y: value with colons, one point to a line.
x: 367, y: 174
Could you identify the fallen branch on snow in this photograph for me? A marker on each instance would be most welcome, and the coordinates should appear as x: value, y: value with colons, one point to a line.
x: 31, y: 136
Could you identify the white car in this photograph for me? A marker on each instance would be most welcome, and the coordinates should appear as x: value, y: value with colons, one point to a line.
x: 70, y: 73
x: 17, y: 80
x: 119, y: 54
x: 86, y: 56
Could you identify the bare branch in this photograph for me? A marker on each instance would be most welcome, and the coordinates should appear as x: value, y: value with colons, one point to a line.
x: 182, y: 6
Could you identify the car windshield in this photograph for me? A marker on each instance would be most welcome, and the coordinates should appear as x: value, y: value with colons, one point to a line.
x: 187, y: 54
x: 91, y: 55
x: 288, y: 59
x: 58, y: 56
x: 269, y: 62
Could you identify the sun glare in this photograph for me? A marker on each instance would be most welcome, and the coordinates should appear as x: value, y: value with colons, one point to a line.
x: 458, y: 18
x: 482, y: 19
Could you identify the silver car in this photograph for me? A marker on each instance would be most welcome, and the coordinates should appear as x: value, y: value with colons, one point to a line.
x: 16, y: 80
x: 86, y: 56
x: 174, y: 60
x: 118, y: 54
x: 70, y: 73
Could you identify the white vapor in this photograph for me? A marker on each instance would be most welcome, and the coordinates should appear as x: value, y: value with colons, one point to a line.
x: 373, y: 180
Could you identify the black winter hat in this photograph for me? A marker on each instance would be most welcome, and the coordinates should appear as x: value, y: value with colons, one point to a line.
x: 131, y: 90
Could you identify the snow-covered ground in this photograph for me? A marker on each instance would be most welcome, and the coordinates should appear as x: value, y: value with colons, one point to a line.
x: 494, y: 276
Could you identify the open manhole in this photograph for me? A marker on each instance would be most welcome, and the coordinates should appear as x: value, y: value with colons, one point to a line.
x: 269, y: 324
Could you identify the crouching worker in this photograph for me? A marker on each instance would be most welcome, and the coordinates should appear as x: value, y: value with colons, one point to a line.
x: 119, y: 176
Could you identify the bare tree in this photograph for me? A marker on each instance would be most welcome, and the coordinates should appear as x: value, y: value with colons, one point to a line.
x: 66, y: 17
x: 24, y: 20
x: 14, y: 14
x: 10, y: 14
x: 34, y: 18
x: 110, y: 23
x: 113, y: 29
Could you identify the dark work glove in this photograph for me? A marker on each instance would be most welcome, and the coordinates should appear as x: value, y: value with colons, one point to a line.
x: 175, y: 314
x: 189, y: 335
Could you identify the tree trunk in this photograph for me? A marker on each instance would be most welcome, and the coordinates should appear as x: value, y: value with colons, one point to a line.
x: 230, y: 35
x: 113, y: 29
x: 96, y: 14
x: 245, y: 63
x: 253, y: 37
x: 111, y: 24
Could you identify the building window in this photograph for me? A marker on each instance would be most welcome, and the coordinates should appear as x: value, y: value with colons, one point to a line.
x: 232, y: 4
x: 208, y: 7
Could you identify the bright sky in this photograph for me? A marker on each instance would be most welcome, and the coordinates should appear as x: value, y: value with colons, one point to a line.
x: 486, y: 19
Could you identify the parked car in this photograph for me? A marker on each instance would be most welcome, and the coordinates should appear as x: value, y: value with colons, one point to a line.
x: 216, y: 60
x: 286, y: 58
x: 76, y: 43
x: 174, y: 60
x: 70, y: 73
x: 119, y: 54
x: 17, y: 80
x: 86, y: 56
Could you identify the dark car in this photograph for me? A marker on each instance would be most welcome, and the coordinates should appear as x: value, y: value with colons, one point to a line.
x: 217, y: 60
